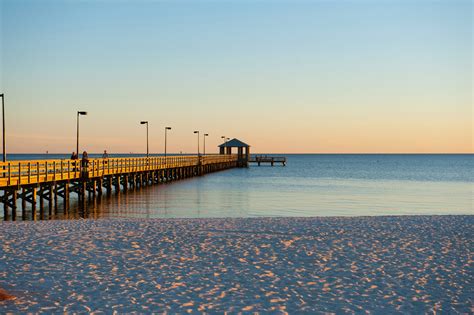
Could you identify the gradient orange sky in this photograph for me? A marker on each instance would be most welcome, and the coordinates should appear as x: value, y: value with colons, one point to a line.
x: 283, y: 76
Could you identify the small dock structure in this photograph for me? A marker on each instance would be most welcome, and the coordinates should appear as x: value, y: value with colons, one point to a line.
x: 272, y: 160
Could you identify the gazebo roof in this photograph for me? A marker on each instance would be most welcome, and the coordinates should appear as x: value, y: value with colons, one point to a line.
x: 234, y: 143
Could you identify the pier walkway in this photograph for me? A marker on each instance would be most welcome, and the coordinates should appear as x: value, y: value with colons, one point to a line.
x: 48, y: 180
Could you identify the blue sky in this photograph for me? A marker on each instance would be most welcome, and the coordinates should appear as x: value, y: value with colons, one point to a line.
x: 284, y: 76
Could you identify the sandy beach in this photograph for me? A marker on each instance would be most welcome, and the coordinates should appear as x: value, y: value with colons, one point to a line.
x: 409, y: 264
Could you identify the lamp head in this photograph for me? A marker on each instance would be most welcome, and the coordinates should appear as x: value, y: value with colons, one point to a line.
x: 206, y: 134
x: 82, y: 113
x: 143, y: 122
x: 168, y: 128
x: 196, y: 131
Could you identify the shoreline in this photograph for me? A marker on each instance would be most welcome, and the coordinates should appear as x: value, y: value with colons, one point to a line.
x: 125, y: 218
x: 341, y: 264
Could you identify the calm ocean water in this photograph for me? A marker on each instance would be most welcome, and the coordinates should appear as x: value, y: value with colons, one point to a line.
x: 310, y: 185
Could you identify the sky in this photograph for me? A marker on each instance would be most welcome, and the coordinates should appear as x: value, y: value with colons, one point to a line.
x: 283, y: 76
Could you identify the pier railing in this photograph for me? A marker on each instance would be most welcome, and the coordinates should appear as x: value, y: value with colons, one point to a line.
x: 39, y: 171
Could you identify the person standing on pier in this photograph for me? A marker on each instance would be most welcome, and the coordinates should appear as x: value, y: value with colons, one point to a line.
x: 84, y: 162
x: 105, y: 156
x: 74, y: 157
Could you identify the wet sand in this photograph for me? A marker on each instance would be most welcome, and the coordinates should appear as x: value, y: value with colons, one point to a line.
x: 409, y: 264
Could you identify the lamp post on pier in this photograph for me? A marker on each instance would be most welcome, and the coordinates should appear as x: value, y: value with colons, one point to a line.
x: 223, y: 149
x: 166, y: 129
x: 79, y: 113
x: 197, y: 131
x: 146, y: 123
x: 3, y: 125
x: 205, y: 135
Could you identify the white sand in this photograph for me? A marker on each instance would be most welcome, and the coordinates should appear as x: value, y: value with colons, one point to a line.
x: 382, y: 264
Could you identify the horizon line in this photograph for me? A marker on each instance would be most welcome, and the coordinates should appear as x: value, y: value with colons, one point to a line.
x: 295, y: 153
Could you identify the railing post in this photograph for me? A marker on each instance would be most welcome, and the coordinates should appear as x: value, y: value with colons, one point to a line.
x: 9, y: 174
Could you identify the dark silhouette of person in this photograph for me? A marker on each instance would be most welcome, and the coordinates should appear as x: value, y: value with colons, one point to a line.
x: 74, y: 164
x: 85, y: 159
x: 105, y: 156
x: 84, y: 162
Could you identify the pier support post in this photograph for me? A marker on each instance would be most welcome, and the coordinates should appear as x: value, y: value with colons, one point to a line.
x: 132, y: 181
x: 5, y: 205
x: 33, y: 204
x: 117, y: 184
x: 109, y: 185
x: 125, y: 183
x: 94, y: 188
x: 50, y: 200
x: 41, y: 192
x: 66, y: 197
x: 82, y: 192
x: 23, y: 203
x: 55, y: 193
x: 99, y: 187
x: 14, y: 207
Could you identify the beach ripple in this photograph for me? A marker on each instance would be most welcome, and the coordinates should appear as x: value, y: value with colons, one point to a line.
x: 409, y: 264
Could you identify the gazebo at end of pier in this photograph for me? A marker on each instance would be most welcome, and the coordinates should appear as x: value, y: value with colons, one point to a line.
x: 242, y: 157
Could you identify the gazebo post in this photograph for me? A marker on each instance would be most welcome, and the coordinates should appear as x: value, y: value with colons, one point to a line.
x: 240, y: 154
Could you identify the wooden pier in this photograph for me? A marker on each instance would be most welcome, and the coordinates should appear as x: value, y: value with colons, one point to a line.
x: 48, y: 180
x: 272, y: 160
